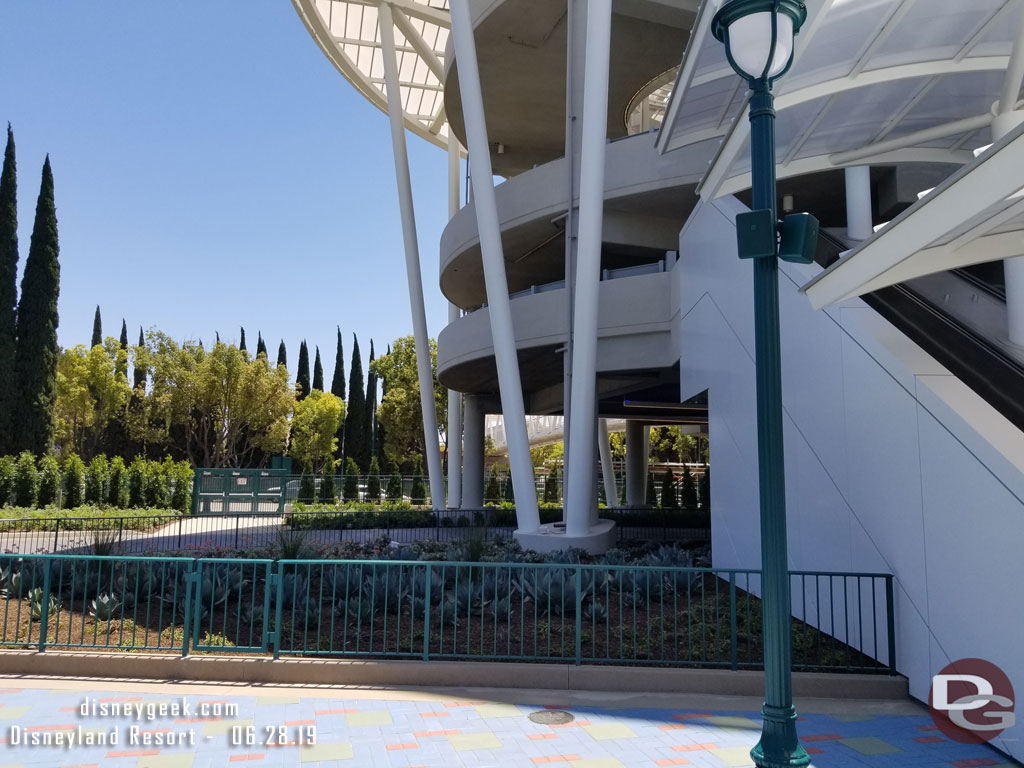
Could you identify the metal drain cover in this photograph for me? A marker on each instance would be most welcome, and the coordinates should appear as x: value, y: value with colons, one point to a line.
x: 552, y: 717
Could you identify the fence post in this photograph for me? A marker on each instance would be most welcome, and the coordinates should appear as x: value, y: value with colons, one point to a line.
x: 181, y: 522
x: 579, y: 615
x: 278, y: 598
x: 426, y: 613
x: 237, y: 519
x: 120, y: 530
x: 733, y: 640
x: 56, y: 535
x: 187, y: 618
x: 890, y: 619
x: 44, y: 616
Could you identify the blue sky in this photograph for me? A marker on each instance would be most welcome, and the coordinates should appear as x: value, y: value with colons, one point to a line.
x: 212, y: 170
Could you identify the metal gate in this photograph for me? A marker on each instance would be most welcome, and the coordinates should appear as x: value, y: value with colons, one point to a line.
x: 239, y: 492
x: 231, y: 605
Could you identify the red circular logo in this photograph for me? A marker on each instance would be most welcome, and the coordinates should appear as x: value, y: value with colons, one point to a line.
x: 971, y: 701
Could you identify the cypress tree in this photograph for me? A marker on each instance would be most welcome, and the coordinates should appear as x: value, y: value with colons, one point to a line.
x: 338, y: 390
x: 669, y: 500
x: 355, y: 418
x: 241, y: 341
x: 282, y: 354
x: 8, y: 294
x: 704, y: 486
x: 35, y: 362
x: 261, y: 345
x: 338, y: 381
x: 370, y: 406
x: 302, y: 377
x: 97, y: 329
x: 318, y: 372
x: 139, y: 374
x: 123, y: 367
x: 385, y: 462
x: 688, y: 490
x: 651, y: 494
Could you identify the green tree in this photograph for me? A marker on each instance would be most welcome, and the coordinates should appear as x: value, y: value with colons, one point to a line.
x: 669, y: 500
x: 137, y: 483
x: 705, y: 489
x: 651, y: 496
x: 418, y: 494
x: 282, y: 355
x: 182, y: 474
x: 123, y: 343
x: 328, y: 489
x: 117, y: 489
x: 688, y: 490
x: 318, y: 372
x: 35, y: 361
x: 261, y: 345
x: 400, y: 410
x: 91, y: 394
x: 314, y: 431
x: 222, y: 408
x: 370, y: 411
x: 551, y: 494
x: 26, y: 482
x: 355, y: 417
x: 139, y: 373
x: 74, y: 482
x: 97, y: 479
x: 156, y: 491
x: 492, y: 491
x: 307, y: 489
x: 7, y: 465
x: 302, y: 383
x: 9, y: 397
x: 509, y: 492
x: 97, y: 329
x: 373, y: 481
x: 350, y: 489
x: 338, y: 389
x: 394, y: 489
x: 49, y: 481
x: 241, y: 339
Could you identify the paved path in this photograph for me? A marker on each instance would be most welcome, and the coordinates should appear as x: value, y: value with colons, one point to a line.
x: 373, y: 728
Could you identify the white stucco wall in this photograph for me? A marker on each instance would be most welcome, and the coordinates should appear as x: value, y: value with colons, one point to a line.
x: 892, y: 464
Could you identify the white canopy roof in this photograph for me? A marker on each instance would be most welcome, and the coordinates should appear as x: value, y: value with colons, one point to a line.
x: 976, y: 215
x: 348, y: 33
x: 872, y: 81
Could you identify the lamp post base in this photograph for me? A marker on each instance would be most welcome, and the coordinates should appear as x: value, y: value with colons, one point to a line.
x: 779, y: 746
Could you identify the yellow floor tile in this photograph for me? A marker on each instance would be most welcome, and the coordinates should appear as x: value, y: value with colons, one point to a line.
x: 600, y: 762
x: 368, y: 718
x: 609, y: 731
x: 735, y: 757
x: 465, y: 742
x: 314, y: 753
x: 498, y: 710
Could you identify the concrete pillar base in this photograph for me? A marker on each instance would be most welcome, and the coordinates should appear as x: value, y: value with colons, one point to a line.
x: 552, y: 537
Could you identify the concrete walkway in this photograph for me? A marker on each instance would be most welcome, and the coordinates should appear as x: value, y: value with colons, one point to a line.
x: 375, y: 728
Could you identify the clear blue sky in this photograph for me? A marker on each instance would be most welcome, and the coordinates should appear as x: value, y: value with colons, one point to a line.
x: 212, y: 170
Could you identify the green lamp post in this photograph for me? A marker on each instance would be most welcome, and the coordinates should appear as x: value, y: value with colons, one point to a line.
x: 758, y: 37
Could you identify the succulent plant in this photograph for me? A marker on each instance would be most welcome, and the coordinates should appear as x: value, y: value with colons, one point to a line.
x: 37, y: 605
x: 595, y: 610
x: 104, y: 607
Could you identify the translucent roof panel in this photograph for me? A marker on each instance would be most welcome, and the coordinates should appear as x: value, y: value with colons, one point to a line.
x: 348, y: 32
x: 872, y: 80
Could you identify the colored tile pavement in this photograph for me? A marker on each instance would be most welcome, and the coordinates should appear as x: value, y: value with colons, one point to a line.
x: 357, y: 728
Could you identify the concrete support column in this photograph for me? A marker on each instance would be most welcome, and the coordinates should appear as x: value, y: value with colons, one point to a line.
x: 1006, y: 121
x: 473, y: 454
x: 582, y: 428
x: 454, y: 398
x: 611, y: 488
x: 431, y: 438
x: 637, y: 447
x: 859, y: 217
x: 495, y: 280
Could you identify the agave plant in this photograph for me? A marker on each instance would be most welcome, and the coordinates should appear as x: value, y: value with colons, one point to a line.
x: 595, y: 611
x: 342, y: 581
x: 355, y: 611
x: 388, y: 590
x: 469, y: 598
x: 37, y: 605
x: 104, y: 607
x: 501, y: 610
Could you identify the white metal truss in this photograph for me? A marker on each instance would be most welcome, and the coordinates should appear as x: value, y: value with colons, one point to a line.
x: 976, y: 215
x: 348, y: 32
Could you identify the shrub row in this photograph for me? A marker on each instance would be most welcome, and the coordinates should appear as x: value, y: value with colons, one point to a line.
x: 84, y: 518
x: 103, y: 482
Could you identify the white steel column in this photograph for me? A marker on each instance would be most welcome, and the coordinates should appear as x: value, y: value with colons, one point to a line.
x: 859, y: 220
x: 637, y: 446
x: 473, y: 454
x: 1009, y: 117
x: 454, y: 398
x: 495, y: 280
x: 431, y: 438
x: 579, y: 471
x: 611, y: 489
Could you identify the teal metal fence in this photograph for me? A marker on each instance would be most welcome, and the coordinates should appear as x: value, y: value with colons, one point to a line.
x: 605, y: 614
